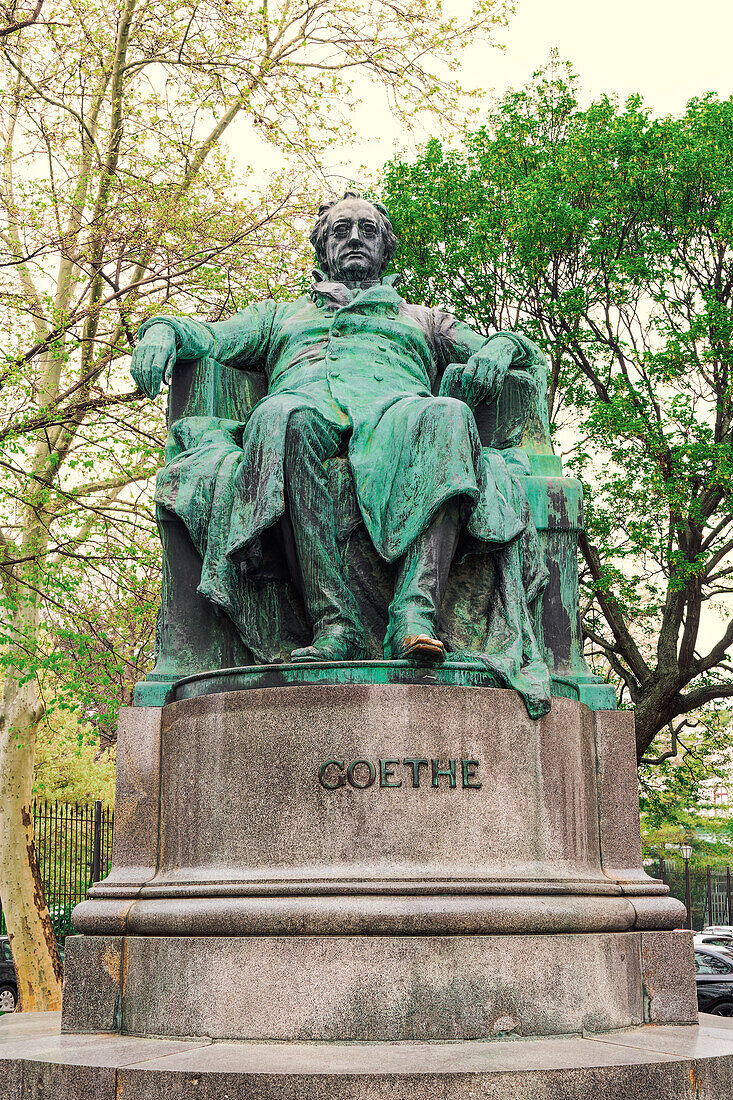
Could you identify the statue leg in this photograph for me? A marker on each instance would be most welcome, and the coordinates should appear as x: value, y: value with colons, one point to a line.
x: 310, y: 440
x: 422, y: 577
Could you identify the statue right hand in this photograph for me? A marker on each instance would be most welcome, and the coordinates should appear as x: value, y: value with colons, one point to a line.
x: 153, y: 359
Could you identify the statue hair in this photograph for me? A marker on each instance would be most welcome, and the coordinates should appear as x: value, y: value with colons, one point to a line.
x: 320, y: 229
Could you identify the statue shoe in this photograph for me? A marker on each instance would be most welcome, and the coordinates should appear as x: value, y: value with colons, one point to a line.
x: 331, y: 645
x: 419, y: 647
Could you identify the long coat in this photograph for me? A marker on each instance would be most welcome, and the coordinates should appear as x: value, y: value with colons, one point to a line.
x: 367, y: 361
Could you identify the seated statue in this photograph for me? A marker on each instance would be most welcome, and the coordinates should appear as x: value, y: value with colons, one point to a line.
x: 359, y: 480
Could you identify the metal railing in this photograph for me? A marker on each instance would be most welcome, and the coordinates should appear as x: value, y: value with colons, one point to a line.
x: 74, y: 848
x: 705, y: 890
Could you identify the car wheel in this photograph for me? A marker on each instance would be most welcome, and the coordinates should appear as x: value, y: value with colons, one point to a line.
x: 725, y: 1008
x: 8, y: 998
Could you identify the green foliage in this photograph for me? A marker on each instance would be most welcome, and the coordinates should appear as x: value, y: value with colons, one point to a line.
x: 678, y: 804
x: 71, y: 765
x: 607, y: 236
x: 709, y: 836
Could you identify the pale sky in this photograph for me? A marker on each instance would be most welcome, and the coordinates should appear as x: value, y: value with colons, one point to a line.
x: 667, y: 50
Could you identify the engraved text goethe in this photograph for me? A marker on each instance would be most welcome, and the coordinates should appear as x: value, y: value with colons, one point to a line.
x: 395, y: 772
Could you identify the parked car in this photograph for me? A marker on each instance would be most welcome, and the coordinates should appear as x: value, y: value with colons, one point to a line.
x: 8, y: 983
x: 714, y: 979
x: 714, y: 938
x: 719, y: 931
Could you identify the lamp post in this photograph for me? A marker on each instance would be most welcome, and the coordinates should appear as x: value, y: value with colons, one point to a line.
x: 686, y: 852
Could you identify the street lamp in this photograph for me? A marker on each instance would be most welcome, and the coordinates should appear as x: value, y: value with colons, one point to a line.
x: 686, y: 852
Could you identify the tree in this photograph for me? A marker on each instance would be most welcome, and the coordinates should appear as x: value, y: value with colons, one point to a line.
x: 119, y: 199
x: 16, y: 20
x: 677, y: 804
x: 607, y: 235
x: 70, y: 765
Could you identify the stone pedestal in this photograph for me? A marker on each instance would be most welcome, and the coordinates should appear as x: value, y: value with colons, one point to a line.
x: 382, y: 891
x: 375, y: 862
x: 375, y: 988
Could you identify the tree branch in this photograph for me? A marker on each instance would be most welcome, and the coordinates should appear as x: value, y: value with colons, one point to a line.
x: 13, y: 28
x: 716, y: 654
x: 627, y: 646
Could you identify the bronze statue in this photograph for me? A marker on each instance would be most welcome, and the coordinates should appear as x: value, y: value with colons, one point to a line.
x: 357, y: 374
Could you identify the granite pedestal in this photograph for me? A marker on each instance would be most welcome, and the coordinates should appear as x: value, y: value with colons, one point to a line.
x: 375, y: 862
x: 334, y: 882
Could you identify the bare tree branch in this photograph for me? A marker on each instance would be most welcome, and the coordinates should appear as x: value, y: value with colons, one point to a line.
x: 19, y: 24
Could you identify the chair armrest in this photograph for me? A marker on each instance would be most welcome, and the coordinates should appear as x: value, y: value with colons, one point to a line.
x: 204, y: 387
x: 502, y: 423
x: 519, y: 416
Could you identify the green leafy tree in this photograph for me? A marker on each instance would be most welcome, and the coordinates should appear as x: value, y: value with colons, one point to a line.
x: 677, y: 790
x: 607, y: 236
x: 117, y: 199
x: 70, y: 764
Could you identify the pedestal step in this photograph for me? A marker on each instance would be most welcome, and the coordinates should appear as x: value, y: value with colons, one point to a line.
x: 649, y: 1063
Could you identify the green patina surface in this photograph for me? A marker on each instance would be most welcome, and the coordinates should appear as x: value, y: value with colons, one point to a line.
x: 595, y: 695
x: 352, y: 471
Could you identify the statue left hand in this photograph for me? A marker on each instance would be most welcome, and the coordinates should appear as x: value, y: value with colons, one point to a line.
x: 482, y: 378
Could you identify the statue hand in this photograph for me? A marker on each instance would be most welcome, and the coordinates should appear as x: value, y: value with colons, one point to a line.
x: 153, y: 359
x: 483, y: 375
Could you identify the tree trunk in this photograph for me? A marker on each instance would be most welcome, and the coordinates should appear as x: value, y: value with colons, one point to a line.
x: 32, y: 940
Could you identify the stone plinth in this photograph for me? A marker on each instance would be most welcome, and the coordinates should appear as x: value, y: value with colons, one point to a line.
x: 371, y: 988
x: 233, y: 808
x: 375, y: 863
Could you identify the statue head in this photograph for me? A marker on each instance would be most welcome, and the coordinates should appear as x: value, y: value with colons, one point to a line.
x: 353, y: 238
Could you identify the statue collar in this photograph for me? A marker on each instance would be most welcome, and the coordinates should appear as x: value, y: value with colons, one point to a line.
x: 333, y: 295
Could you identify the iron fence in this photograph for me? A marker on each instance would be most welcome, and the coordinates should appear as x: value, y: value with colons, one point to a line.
x: 74, y: 847
x: 705, y: 890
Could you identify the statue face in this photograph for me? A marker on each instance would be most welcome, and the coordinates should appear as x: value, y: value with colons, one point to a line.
x: 355, y: 247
